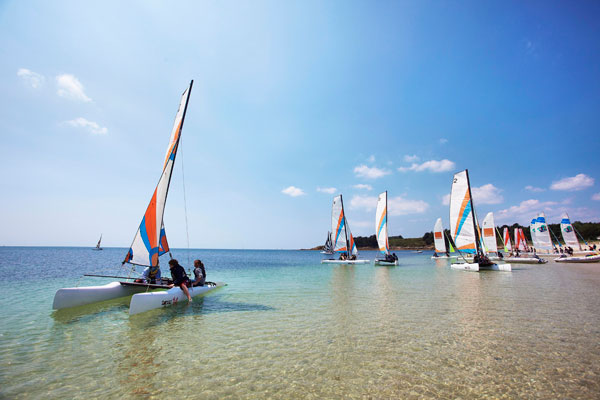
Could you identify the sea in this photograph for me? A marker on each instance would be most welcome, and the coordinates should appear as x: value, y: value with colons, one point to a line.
x: 288, y: 327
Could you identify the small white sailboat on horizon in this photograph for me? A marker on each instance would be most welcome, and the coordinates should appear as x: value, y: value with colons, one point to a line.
x: 341, y: 237
x: 465, y: 230
x: 98, y: 244
x: 381, y: 232
x: 149, y: 243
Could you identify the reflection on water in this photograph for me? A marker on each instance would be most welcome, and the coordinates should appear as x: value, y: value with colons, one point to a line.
x: 288, y: 327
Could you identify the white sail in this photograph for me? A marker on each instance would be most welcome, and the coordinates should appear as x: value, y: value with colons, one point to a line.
x: 339, y: 236
x: 507, y: 244
x: 568, y: 233
x: 542, y: 233
x: 150, y: 241
x: 381, y: 226
x: 438, y: 237
x: 489, y: 233
x: 533, y: 232
x: 462, y: 227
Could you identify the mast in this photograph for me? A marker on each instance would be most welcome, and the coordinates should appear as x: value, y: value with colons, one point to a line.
x: 477, y: 244
x: 348, y: 251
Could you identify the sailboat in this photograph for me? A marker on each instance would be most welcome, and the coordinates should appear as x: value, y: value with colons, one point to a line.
x: 149, y: 243
x: 440, y: 242
x: 464, y: 228
x: 570, y: 237
x: 540, y: 235
x: 518, y: 259
x: 341, y: 237
x: 381, y: 231
x: 98, y: 244
x: 328, y: 246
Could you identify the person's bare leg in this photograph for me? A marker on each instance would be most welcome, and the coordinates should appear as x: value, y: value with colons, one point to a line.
x: 186, y: 291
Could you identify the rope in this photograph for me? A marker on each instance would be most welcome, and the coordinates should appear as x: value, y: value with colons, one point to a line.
x: 187, y: 232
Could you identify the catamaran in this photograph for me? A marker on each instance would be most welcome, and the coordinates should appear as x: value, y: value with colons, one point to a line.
x: 149, y: 243
x: 328, y: 246
x: 569, y: 235
x: 464, y: 228
x: 341, y: 237
x: 518, y: 259
x: 439, y: 242
x: 381, y: 231
x: 98, y: 244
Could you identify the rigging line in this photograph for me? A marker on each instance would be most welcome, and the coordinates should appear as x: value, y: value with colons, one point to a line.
x: 187, y: 232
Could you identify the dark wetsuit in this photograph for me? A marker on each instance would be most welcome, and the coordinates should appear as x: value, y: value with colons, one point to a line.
x: 179, y: 276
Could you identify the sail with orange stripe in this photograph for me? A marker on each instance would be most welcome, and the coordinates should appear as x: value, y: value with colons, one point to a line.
x: 462, y: 227
x: 341, y: 237
x: 150, y: 241
x: 381, y: 224
x: 489, y: 233
x: 438, y: 237
x: 507, y: 244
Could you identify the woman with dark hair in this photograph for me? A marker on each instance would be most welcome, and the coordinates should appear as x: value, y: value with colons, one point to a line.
x: 199, y: 273
x: 179, y: 277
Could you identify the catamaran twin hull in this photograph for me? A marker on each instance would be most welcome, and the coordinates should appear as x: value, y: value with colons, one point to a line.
x: 525, y: 260
x: 384, y: 263
x: 345, y: 261
x: 477, y: 267
x: 142, y: 299
x: 587, y: 259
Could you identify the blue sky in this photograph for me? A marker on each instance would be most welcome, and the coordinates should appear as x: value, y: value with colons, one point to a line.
x: 293, y: 102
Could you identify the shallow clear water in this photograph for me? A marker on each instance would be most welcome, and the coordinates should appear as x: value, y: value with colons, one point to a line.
x: 288, y: 327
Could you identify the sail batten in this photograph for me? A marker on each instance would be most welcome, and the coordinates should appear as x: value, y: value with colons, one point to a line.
x: 150, y: 240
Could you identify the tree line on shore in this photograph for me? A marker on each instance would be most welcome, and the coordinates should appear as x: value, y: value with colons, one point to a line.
x: 587, y: 230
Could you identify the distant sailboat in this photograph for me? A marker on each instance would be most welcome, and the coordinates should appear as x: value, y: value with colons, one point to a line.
x: 381, y: 231
x: 540, y: 235
x: 98, y: 244
x: 440, y: 242
x: 328, y: 247
x: 341, y: 237
x: 149, y: 243
x: 464, y: 228
x: 570, y: 237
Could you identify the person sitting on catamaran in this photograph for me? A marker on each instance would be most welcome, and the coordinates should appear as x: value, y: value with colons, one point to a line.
x: 151, y: 275
x: 199, y: 273
x: 179, y: 277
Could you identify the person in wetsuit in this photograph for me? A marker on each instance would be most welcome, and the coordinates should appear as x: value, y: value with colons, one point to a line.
x: 199, y: 273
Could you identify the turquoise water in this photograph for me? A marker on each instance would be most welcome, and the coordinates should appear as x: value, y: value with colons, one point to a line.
x: 288, y: 327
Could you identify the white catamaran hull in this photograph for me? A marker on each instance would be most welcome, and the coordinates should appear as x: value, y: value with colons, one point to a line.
x: 384, y: 263
x: 443, y: 257
x: 477, y: 267
x: 525, y: 260
x: 587, y: 259
x: 80, y: 296
x: 345, y: 261
x: 142, y: 302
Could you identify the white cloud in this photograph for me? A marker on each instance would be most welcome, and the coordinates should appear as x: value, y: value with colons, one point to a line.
x: 396, y: 205
x: 431, y: 165
x: 362, y: 171
x: 328, y: 190
x: 534, y: 189
x: 596, y: 196
x: 33, y: 79
x: 293, y: 191
x: 371, y: 159
x: 91, y: 126
x: 446, y: 200
x: 412, y: 158
x: 363, y: 186
x: 577, y: 182
x: 443, y: 141
x: 486, y: 194
x: 70, y: 87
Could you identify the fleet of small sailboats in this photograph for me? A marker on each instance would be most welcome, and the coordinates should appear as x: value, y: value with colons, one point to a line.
x: 149, y: 243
